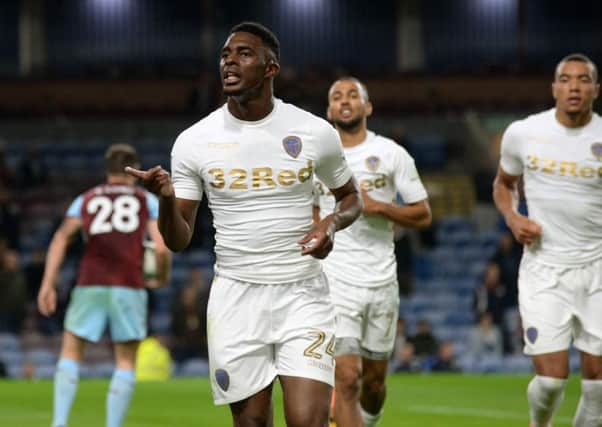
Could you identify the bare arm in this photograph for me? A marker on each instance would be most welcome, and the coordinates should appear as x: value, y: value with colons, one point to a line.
x: 413, y: 215
x: 505, y: 196
x: 348, y: 207
x: 176, y: 216
x: 54, y: 258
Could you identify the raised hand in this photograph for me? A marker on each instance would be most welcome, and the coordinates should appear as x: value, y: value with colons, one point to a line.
x: 156, y: 180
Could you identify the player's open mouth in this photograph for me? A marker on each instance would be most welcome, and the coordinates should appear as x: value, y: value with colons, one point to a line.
x: 231, y: 78
x: 346, y: 113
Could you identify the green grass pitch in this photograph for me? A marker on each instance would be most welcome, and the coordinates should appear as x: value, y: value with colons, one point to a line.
x: 413, y: 400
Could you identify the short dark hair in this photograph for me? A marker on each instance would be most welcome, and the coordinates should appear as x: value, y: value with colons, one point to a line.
x: 267, y: 37
x: 118, y: 156
x: 578, y: 57
x: 363, y: 89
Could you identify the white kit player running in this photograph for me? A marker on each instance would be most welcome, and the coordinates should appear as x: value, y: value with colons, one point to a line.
x: 362, y: 268
x: 559, y: 155
x: 269, y: 311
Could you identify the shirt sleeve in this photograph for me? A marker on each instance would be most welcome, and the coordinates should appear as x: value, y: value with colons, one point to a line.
x: 185, y: 178
x: 152, y: 202
x: 75, y: 208
x: 406, y: 177
x: 510, y: 158
x: 331, y: 165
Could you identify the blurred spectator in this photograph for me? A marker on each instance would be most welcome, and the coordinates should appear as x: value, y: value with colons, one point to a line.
x: 405, y: 360
x: 32, y: 171
x: 189, y: 319
x: 13, y: 293
x: 405, y: 261
x: 485, y: 339
x: 491, y: 295
x: 425, y: 343
x: 7, y: 176
x: 34, y: 270
x: 446, y: 359
x: 10, y: 215
x: 507, y: 257
x: 29, y: 370
x: 400, y: 336
x: 153, y: 361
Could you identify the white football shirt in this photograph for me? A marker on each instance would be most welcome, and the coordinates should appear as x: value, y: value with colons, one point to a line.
x: 258, y: 178
x: 562, y: 172
x: 363, y: 253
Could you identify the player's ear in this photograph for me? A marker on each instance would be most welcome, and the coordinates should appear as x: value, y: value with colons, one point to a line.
x: 272, y: 69
x: 368, y: 108
x: 554, y: 90
x: 596, y: 90
x: 328, y: 114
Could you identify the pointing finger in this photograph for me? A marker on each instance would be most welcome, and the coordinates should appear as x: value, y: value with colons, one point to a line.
x: 135, y: 172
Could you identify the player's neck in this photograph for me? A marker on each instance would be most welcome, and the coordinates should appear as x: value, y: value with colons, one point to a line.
x: 251, y: 110
x: 118, y: 179
x: 353, y: 137
x: 576, y: 120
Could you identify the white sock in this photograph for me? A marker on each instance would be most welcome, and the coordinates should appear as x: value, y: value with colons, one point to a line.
x: 589, y: 411
x: 544, y: 395
x: 370, y: 420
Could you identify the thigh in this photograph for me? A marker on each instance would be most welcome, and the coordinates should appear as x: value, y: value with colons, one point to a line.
x: 72, y: 347
x: 554, y: 364
x: 588, y: 330
x: 591, y: 366
x: 381, y: 323
x: 87, y: 313
x: 127, y: 313
x: 125, y: 355
x: 305, y: 336
x: 254, y: 411
x: 374, y: 371
x: 241, y: 355
x: 546, y: 309
x: 306, y: 401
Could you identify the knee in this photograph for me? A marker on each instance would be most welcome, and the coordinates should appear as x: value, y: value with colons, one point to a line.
x: 348, y: 380
x: 314, y: 418
x: 373, y: 385
x: 545, y: 388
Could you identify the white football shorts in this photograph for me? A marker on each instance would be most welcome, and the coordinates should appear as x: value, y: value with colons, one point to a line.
x: 559, y: 305
x: 257, y: 332
x: 366, y: 319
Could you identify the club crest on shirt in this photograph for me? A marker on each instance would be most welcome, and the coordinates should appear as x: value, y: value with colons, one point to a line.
x: 222, y: 378
x: 597, y: 150
x: 532, y: 334
x: 372, y: 163
x: 292, y: 145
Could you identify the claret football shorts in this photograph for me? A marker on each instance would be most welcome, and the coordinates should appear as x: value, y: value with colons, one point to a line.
x: 560, y: 305
x: 257, y: 332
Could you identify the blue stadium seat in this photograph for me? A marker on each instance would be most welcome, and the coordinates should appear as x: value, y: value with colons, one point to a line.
x: 194, y: 368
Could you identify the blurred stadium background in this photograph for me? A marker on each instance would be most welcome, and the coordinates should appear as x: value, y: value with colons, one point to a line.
x: 445, y: 78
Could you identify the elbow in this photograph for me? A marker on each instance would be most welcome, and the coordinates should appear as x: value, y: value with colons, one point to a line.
x: 176, y: 246
x: 425, y: 223
x: 426, y: 220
